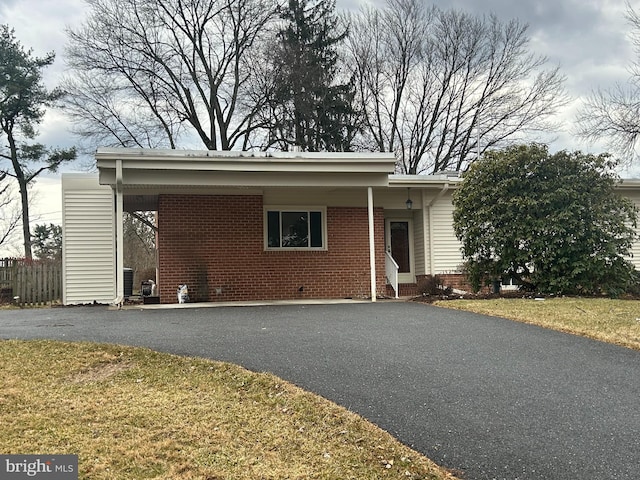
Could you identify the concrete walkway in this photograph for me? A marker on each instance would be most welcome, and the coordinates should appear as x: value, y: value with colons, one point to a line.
x: 488, y: 397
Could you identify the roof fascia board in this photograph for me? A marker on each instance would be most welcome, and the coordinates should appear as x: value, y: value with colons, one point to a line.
x: 628, y: 184
x: 155, y: 178
x: 430, y: 181
x: 425, y: 181
x: 246, y: 161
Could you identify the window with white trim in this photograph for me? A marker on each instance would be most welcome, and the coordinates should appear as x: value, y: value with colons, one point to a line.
x: 295, y: 228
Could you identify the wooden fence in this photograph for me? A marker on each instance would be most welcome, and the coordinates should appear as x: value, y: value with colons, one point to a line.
x: 30, y: 283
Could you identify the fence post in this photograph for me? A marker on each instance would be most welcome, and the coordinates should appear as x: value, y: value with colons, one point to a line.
x: 7, y: 278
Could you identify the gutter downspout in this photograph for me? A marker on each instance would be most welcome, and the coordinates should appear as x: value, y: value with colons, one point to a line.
x: 431, y: 203
x: 372, y: 243
x: 119, y: 235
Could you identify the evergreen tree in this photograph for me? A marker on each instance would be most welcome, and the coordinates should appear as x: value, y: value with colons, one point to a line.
x: 47, y: 242
x: 309, y: 108
x: 23, y: 97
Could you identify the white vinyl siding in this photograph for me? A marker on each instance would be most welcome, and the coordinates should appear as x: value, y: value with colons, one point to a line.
x: 88, y: 241
x: 445, y: 247
x: 428, y: 244
x: 418, y: 242
x: 635, y: 249
x: 447, y: 257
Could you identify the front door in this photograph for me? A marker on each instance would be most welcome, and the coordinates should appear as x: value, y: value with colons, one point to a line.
x: 399, y: 245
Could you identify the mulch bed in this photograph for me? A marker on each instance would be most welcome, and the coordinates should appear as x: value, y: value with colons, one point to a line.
x: 507, y: 294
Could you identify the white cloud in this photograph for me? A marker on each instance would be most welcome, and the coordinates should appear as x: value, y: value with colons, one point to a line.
x: 46, y: 200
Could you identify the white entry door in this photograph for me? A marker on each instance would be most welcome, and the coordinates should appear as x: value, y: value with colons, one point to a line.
x: 399, y: 233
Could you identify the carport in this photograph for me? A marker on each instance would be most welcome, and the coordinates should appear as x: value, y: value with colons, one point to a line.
x: 193, y: 190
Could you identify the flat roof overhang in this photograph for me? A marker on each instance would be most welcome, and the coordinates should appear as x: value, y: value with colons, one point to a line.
x: 203, y: 168
x: 149, y: 172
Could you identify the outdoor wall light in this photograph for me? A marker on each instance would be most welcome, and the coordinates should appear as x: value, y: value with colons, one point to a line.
x: 409, y: 202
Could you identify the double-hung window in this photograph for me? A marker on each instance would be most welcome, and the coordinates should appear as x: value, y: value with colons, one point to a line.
x: 295, y: 228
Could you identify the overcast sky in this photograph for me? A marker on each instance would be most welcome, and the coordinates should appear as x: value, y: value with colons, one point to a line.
x: 589, y: 39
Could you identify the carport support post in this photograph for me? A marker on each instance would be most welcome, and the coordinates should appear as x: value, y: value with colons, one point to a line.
x: 119, y: 234
x: 372, y: 244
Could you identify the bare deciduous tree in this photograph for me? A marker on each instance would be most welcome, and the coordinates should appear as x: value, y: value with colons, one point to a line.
x: 10, y: 213
x: 149, y: 73
x: 140, y: 245
x: 613, y: 115
x: 431, y: 81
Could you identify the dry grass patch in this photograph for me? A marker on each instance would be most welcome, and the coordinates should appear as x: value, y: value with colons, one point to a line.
x: 134, y: 413
x: 613, y: 321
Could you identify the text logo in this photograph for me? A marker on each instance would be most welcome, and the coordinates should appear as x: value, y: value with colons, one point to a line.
x: 49, y: 467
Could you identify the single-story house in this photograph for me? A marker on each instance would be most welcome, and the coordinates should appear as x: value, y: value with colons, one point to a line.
x: 238, y: 226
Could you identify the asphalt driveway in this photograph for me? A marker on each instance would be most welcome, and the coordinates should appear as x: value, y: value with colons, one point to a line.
x: 490, y: 398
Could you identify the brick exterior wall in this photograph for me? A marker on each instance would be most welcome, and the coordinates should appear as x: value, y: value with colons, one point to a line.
x: 215, y: 244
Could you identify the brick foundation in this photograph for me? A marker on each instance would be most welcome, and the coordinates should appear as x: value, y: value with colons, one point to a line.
x: 458, y: 281
x: 455, y: 280
x: 404, y: 290
x: 215, y: 244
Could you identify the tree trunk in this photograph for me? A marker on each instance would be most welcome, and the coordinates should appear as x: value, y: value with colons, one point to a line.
x: 24, y: 196
x: 26, y: 231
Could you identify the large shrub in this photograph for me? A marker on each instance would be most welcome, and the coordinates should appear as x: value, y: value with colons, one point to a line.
x: 554, y: 222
